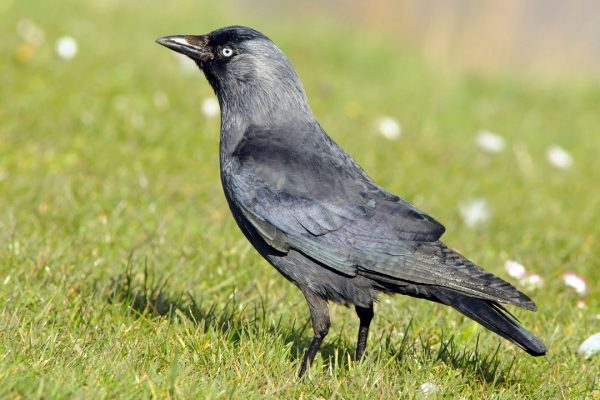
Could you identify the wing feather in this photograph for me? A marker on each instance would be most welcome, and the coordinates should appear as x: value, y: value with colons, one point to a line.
x: 300, y: 190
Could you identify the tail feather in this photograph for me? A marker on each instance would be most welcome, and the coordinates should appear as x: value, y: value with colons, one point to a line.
x: 495, y: 318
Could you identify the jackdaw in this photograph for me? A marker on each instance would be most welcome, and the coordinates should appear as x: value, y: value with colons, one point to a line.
x: 313, y: 213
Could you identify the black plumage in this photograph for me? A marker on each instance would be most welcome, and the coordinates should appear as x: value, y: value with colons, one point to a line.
x: 314, y: 213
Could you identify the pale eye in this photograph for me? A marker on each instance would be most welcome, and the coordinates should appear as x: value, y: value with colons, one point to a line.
x: 227, y: 52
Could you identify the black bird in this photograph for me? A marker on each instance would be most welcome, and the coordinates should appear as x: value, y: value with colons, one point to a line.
x: 312, y: 212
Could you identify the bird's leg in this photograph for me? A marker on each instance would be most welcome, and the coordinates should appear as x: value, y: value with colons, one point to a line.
x: 365, y: 314
x: 319, y: 315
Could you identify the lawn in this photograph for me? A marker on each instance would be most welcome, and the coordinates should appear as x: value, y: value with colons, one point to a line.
x: 122, y: 274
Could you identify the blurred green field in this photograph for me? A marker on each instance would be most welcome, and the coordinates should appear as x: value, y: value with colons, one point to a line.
x: 122, y: 274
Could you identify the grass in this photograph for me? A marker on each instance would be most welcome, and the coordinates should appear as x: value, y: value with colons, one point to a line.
x: 123, y: 275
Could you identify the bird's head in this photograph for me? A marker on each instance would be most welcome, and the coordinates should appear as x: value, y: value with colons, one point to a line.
x: 244, y: 67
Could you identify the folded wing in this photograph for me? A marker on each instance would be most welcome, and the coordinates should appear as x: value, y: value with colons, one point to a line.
x: 300, y: 190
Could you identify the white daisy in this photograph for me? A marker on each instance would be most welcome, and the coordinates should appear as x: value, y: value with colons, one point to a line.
x: 576, y: 282
x: 475, y: 212
x: 532, y: 281
x: 389, y: 128
x: 66, y: 47
x: 210, y: 107
x: 429, y: 388
x: 590, y: 346
x: 514, y: 269
x: 559, y: 157
x: 490, y: 142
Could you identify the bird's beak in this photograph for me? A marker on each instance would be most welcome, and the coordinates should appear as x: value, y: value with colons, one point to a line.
x: 194, y: 47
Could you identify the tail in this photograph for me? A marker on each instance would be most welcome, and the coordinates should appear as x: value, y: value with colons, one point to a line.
x: 495, y: 318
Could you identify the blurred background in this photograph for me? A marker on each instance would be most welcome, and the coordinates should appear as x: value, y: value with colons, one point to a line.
x: 485, y: 114
x: 537, y: 37
x: 545, y: 38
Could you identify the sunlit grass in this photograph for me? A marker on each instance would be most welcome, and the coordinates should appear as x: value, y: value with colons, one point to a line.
x: 123, y: 275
